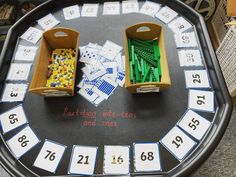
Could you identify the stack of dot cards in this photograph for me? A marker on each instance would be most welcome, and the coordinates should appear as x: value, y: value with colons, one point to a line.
x: 103, y: 71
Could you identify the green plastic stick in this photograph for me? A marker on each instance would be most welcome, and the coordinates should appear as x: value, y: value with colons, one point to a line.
x: 131, y: 72
x: 142, y: 67
x: 159, y: 67
x: 132, y: 54
x: 146, y: 74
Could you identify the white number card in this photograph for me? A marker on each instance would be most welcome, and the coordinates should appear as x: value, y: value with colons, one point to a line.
x: 116, y: 160
x: 22, y: 142
x: 71, y: 12
x: 110, y: 50
x: 130, y: 7
x: 50, y: 156
x: 178, y: 143
x: 196, y: 79
x: 83, y: 160
x: 185, y: 40
x: 18, y: 72
x: 111, y: 8
x: 48, y: 22
x: 190, y: 58
x: 201, y: 100
x: 147, y: 157
x: 166, y: 14
x: 25, y: 53
x: 89, y: 10
x: 150, y: 8
x: 14, y: 92
x: 179, y: 25
x: 12, y: 119
x: 194, y: 124
x: 32, y: 35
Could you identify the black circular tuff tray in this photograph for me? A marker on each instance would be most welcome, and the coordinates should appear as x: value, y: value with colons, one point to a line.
x: 124, y: 118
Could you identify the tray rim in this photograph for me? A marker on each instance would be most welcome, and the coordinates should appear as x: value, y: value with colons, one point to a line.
x: 196, y: 160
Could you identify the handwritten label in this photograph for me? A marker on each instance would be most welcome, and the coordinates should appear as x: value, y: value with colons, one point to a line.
x: 130, y: 7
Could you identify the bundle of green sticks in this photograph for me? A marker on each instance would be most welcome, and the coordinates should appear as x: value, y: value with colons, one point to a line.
x: 144, y: 57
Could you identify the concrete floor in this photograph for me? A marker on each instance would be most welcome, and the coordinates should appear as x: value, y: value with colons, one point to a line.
x: 222, y: 163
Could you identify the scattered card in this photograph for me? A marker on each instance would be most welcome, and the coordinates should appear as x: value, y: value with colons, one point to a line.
x: 105, y: 87
x: 95, y: 71
x: 89, y: 10
x: 112, y: 69
x: 13, y: 119
x: 71, y: 12
x: 150, y: 8
x: 32, y: 35
x: 121, y: 79
x: 110, y: 50
x: 194, y: 124
x: 190, y: 58
x: 22, y: 142
x: 18, y: 72
x: 50, y: 156
x: 178, y: 143
x: 179, y: 25
x: 88, y: 94
x: 48, y: 22
x: 201, y: 100
x: 116, y: 160
x: 83, y: 159
x: 186, y: 40
x: 130, y: 7
x: 25, y: 53
x: 196, y: 79
x: 111, y: 8
x: 166, y: 14
x: 147, y: 157
x: 14, y: 92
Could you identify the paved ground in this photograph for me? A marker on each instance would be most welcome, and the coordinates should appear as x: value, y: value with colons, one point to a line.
x: 222, y: 163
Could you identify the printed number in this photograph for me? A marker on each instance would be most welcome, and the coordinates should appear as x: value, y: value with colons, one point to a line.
x: 48, y: 22
x: 23, y: 141
x: 71, y: 12
x: 13, y: 118
x: 165, y: 14
x: 196, y: 78
x: 178, y: 141
x: 13, y: 94
x: 118, y: 160
x: 201, y: 100
x: 180, y: 26
x: 190, y: 57
x: 186, y: 39
x: 149, y: 156
x: 50, y: 155
x: 81, y: 159
x: 193, y: 124
x: 31, y: 36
